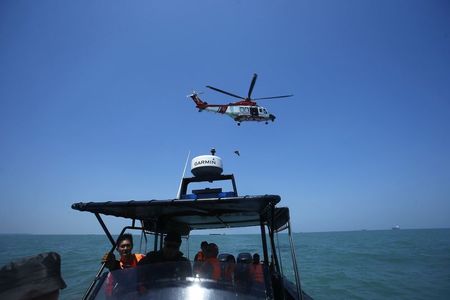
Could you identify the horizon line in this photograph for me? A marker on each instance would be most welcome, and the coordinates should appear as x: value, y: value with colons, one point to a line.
x: 295, y: 232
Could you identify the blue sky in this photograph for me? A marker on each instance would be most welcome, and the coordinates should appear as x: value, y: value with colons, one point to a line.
x: 93, y: 107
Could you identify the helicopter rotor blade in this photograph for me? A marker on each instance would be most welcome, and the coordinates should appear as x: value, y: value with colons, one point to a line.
x: 221, y: 91
x: 274, y: 97
x: 252, y: 84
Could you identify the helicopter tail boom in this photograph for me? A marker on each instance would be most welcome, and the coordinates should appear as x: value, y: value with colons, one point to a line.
x: 198, y: 102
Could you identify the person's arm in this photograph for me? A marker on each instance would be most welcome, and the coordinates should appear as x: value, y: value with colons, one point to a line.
x: 110, y: 261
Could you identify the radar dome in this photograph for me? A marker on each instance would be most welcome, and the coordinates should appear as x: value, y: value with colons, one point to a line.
x: 206, y: 165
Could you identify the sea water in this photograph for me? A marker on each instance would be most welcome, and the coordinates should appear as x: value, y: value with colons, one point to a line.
x: 392, y: 264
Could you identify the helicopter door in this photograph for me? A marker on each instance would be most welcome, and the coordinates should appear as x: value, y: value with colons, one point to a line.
x: 254, y: 111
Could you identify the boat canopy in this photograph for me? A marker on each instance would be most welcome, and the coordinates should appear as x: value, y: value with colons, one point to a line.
x: 186, y: 215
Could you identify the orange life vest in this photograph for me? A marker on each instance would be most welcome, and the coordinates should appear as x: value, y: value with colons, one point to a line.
x: 200, y: 256
x: 133, y: 263
x: 211, y: 268
x: 110, y: 281
x: 257, y: 273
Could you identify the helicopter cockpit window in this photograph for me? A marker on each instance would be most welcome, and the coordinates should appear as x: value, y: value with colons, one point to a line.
x: 265, y: 111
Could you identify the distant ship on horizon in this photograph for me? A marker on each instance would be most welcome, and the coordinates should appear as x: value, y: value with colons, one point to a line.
x: 396, y: 227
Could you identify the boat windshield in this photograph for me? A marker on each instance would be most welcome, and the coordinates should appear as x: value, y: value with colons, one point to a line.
x: 175, y: 280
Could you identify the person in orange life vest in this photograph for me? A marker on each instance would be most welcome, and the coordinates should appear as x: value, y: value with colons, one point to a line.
x: 200, y: 257
x: 127, y: 259
x: 256, y: 270
x: 211, y: 266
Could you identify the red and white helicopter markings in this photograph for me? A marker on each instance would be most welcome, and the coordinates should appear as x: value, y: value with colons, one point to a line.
x: 245, y: 110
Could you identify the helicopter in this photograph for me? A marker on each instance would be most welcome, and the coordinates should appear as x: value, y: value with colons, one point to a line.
x: 244, y: 110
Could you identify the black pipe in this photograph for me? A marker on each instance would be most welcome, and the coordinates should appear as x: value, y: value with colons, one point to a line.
x: 264, y: 243
x: 105, y: 229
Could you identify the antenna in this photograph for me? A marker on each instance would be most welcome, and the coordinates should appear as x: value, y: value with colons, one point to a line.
x: 182, y: 175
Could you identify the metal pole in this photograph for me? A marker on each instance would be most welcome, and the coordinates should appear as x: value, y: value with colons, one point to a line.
x: 234, y: 186
x: 267, y: 273
x: 272, y: 242
x: 279, y: 250
x: 264, y: 243
x: 294, y: 262
x: 155, y: 236
x: 155, y: 242
x: 182, y: 176
x: 143, y: 238
x: 187, y: 246
x: 113, y: 242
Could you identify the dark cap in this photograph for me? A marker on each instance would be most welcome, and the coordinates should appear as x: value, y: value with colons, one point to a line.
x: 212, y: 247
x: 173, y: 237
x: 31, y: 277
x: 204, y: 244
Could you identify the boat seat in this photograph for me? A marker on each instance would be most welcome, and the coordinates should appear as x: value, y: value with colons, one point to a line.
x: 242, y: 270
x: 244, y: 258
x: 224, y: 257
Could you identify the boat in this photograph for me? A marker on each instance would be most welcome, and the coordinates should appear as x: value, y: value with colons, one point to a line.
x: 193, y: 211
x: 396, y: 227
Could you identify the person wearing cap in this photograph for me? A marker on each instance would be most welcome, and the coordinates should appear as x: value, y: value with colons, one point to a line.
x: 175, y: 264
x: 127, y: 258
x: 32, y: 278
x: 256, y: 270
x: 211, y: 266
x: 200, y: 256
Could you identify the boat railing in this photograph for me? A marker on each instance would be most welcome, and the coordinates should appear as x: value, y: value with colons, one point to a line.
x: 294, y: 263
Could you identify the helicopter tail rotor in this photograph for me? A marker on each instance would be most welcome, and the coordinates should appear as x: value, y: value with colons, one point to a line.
x: 194, y: 93
x: 199, y: 103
